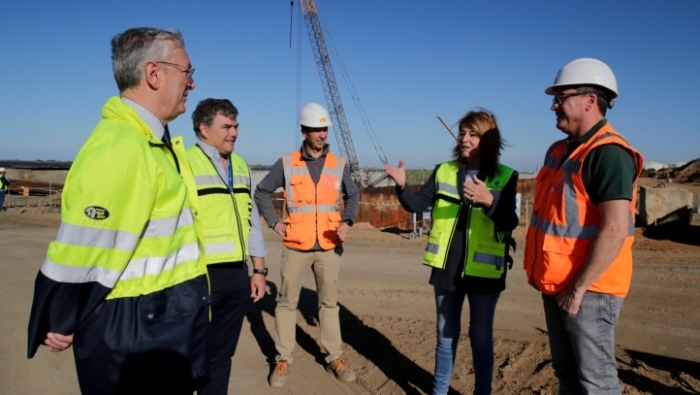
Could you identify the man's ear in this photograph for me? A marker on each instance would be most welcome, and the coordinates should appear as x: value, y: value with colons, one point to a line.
x: 153, y: 75
x: 204, y: 130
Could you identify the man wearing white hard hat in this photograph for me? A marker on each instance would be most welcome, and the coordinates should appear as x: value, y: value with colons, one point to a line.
x: 578, y: 250
x: 4, y: 188
x: 314, y: 181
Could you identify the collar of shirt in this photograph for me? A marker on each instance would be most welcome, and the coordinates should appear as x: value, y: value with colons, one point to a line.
x: 307, y: 157
x: 587, y: 136
x: 214, y: 157
x: 151, y: 120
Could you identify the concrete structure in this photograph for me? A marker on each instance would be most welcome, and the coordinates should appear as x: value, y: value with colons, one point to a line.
x: 653, y: 165
x: 664, y: 205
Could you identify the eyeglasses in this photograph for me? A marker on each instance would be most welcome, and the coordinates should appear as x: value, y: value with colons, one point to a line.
x: 189, y: 71
x: 561, y: 98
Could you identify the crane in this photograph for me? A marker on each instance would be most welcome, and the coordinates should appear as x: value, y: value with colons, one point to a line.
x: 330, y: 88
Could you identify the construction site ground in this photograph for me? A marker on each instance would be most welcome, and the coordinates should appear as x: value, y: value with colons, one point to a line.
x: 388, y: 321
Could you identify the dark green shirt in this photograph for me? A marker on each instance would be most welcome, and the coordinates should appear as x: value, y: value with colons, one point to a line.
x: 608, y: 170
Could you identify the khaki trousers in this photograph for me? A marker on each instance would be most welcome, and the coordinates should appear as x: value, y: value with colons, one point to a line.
x: 325, y: 266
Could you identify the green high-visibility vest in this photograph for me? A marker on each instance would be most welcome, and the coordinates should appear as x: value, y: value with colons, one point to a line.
x: 224, y: 213
x: 486, y: 248
x: 134, y: 233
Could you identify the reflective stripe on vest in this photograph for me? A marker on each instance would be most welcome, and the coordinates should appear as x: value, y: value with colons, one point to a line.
x: 224, y: 214
x: 313, y: 209
x: 565, y: 222
x: 486, y: 248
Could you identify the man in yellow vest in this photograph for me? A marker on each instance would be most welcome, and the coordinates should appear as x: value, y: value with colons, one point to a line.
x: 124, y: 281
x: 230, y: 226
x: 314, y: 181
x: 578, y: 250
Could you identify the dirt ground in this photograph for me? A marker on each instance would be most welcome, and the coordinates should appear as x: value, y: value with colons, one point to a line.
x: 388, y: 320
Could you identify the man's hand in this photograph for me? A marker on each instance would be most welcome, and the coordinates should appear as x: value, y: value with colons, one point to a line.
x: 57, y: 342
x: 257, y: 287
x: 280, y: 228
x: 569, y: 300
x: 343, y: 230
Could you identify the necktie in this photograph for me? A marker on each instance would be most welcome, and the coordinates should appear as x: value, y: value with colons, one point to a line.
x: 166, y: 138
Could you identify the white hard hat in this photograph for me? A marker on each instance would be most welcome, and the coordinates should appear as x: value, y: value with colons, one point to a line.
x: 585, y: 71
x: 2, y: 169
x: 314, y: 115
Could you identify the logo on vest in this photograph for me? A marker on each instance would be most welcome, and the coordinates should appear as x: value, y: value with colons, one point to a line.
x: 97, y: 213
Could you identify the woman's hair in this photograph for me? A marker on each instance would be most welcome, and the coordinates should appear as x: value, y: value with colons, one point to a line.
x: 483, y: 123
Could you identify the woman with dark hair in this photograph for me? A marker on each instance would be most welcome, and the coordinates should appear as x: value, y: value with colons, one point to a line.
x: 473, y: 213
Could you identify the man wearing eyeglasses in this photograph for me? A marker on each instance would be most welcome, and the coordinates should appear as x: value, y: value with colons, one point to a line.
x: 231, y: 230
x: 578, y: 250
x: 124, y: 281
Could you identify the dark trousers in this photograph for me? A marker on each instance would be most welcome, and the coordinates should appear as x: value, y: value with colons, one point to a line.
x: 230, y: 292
x: 153, y: 344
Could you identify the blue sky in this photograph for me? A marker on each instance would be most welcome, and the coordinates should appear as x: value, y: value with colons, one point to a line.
x: 408, y: 61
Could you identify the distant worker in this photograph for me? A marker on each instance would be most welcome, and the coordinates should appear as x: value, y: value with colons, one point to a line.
x: 124, y: 280
x: 314, y: 181
x: 473, y: 213
x: 230, y: 225
x: 4, y: 188
x: 578, y: 249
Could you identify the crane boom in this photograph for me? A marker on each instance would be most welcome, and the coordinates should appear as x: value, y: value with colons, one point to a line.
x: 330, y: 88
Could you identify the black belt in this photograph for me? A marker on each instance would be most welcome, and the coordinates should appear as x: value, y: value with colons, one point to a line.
x: 228, y: 265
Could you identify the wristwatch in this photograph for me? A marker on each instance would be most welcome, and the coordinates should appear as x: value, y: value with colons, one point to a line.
x: 349, y: 222
x: 262, y: 271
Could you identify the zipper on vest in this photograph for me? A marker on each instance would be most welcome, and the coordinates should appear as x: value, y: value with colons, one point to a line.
x: 466, y: 236
x: 235, y: 209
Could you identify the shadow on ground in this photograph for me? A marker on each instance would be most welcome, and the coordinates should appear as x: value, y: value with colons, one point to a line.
x: 687, y: 373
x: 366, y: 340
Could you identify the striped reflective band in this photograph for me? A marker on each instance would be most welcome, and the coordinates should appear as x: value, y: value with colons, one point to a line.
x: 572, y: 229
x: 432, y: 248
x: 155, y: 265
x: 135, y: 269
x: 220, y: 248
x: 448, y: 188
x: 287, y: 167
x: 489, y: 259
x: 166, y: 226
x: 322, y: 208
x: 84, y: 236
x: 208, y: 179
x: 100, y: 238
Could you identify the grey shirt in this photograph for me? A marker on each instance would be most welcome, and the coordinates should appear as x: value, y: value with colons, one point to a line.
x: 275, y: 180
x: 256, y: 241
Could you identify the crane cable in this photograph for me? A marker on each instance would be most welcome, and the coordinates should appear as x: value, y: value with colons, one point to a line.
x: 297, y: 143
x: 346, y: 79
x: 356, y: 100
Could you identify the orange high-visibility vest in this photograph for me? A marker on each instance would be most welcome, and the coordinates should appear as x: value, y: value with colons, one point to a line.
x: 313, y: 209
x: 565, y: 222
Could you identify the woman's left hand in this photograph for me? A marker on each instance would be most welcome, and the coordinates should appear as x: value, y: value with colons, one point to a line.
x: 475, y: 190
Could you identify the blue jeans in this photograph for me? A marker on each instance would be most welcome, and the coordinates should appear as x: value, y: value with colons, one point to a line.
x: 583, y: 345
x: 2, y: 198
x: 482, y: 308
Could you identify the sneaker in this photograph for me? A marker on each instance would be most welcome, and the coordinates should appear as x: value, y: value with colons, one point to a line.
x: 342, y: 370
x: 278, y: 378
